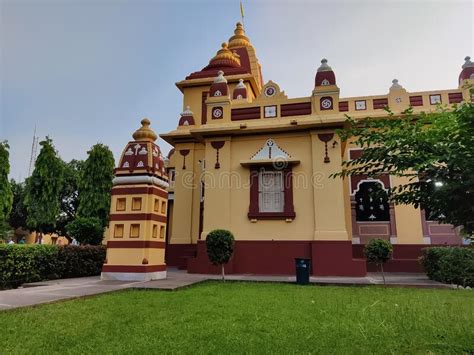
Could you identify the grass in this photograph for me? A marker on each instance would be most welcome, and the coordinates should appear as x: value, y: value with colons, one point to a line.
x: 254, y: 318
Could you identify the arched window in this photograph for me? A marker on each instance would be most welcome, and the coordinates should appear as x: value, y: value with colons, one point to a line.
x: 370, y: 206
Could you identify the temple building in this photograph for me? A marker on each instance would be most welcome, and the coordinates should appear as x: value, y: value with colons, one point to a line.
x: 251, y: 160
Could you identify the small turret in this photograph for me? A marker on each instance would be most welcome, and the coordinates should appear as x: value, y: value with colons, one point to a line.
x: 467, y: 71
x: 240, y: 91
x: 187, y: 118
x: 325, y: 75
x: 219, y: 86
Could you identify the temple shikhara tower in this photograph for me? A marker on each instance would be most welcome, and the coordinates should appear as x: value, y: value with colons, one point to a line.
x: 137, y: 229
x: 251, y: 160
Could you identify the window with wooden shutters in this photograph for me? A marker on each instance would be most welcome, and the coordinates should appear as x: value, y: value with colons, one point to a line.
x: 270, y: 191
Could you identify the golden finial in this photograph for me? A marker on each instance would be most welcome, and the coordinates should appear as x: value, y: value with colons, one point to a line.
x: 226, y: 55
x: 145, y: 133
x: 239, y: 39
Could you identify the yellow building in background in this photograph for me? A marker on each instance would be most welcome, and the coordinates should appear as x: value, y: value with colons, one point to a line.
x: 251, y: 160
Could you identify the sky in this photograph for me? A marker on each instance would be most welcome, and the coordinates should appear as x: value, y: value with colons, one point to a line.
x: 87, y: 71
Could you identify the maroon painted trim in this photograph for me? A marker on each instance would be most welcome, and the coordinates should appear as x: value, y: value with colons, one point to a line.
x: 189, y: 119
x: 299, y: 109
x: 329, y: 75
x: 455, y: 97
x: 278, y: 258
x: 326, y: 137
x: 288, y: 208
x: 416, y: 100
x: 217, y: 145
x: 240, y: 91
x: 137, y: 217
x: 139, y: 190
x: 465, y: 74
x: 343, y: 106
x: 222, y: 87
x: 380, y: 103
x: 211, y: 71
x: 248, y: 113
x: 133, y: 268
x: 135, y: 244
x: 204, y: 107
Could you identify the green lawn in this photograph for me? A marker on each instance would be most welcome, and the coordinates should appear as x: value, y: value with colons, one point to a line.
x: 254, y: 318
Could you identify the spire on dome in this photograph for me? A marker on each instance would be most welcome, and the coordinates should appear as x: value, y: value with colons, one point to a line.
x: 239, y: 39
x: 220, y: 77
x: 467, y: 71
x: 324, y: 65
x: 395, y: 85
x: 241, y: 84
x: 467, y: 63
x: 187, y: 111
x: 225, y: 57
x: 145, y: 133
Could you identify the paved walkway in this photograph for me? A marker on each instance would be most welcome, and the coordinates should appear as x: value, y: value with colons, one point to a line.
x: 58, y: 290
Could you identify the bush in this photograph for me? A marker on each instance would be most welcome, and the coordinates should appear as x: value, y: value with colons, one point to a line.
x: 378, y: 251
x: 32, y: 263
x: 86, y: 230
x: 220, y: 247
x: 453, y: 265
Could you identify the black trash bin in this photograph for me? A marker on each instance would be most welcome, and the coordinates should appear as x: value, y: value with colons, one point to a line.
x: 303, y: 269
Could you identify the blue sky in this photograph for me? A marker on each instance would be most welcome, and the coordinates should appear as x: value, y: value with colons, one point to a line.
x: 87, y: 71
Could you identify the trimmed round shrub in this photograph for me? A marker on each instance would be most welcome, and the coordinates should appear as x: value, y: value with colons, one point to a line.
x: 378, y: 251
x: 220, y: 247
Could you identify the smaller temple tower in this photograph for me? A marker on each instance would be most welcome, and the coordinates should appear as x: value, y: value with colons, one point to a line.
x: 137, y: 227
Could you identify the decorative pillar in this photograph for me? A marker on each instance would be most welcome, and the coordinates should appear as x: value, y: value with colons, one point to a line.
x: 138, y: 211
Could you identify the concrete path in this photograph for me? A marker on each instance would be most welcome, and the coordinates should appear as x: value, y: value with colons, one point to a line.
x: 58, y: 290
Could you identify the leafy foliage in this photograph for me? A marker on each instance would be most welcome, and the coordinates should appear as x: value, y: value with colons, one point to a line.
x: 31, y: 263
x: 69, y: 195
x: 18, y: 214
x: 220, y: 247
x: 43, y: 190
x: 378, y: 251
x: 449, y: 265
x: 95, y: 183
x: 86, y: 230
x: 433, y: 151
x: 6, y: 194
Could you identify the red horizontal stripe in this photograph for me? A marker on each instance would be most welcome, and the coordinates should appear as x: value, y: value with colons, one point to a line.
x: 137, y: 217
x: 135, y: 244
x: 133, y: 268
x: 150, y: 190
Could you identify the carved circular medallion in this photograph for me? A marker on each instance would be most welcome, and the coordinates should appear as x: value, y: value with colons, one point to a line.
x: 326, y: 104
x: 270, y: 91
x: 217, y: 112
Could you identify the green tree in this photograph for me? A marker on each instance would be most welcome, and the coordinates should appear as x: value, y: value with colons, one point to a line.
x: 433, y: 151
x: 378, y: 251
x: 86, y: 230
x: 95, y: 183
x: 220, y: 247
x: 69, y: 195
x: 6, y: 194
x: 43, y: 190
